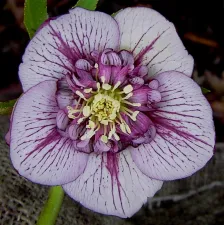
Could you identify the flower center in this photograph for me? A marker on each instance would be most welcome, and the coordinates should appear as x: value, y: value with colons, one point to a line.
x: 102, y: 110
x: 105, y: 108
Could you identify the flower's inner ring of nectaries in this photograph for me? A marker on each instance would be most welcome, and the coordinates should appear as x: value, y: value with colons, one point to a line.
x: 103, y: 109
x: 109, y: 102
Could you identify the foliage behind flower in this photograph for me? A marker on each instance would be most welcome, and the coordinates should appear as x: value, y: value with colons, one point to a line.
x: 109, y: 110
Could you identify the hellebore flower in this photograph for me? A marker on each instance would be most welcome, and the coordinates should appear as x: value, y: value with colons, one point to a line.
x: 109, y: 110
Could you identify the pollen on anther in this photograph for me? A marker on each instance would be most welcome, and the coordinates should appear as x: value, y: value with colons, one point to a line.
x: 127, y: 89
x: 104, y: 138
x: 86, y: 111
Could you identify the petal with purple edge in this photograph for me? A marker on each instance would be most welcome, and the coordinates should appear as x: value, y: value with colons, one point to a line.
x: 112, y: 184
x: 38, y: 152
x: 185, y: 135
x: 153, y: 40
x: 55, y: 48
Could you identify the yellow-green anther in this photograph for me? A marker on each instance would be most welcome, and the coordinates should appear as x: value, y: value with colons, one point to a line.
x: 86, y: 111
x: 88, y: 90
x: 91, y: 125
x: 104, y: 138
x: 127, y: 89
x: 106, y: 87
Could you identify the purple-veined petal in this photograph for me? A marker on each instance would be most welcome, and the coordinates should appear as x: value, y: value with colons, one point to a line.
x: 38, y: 152
x: 185, y: 136
x: 139, y: 71
x: 140, y: 126
x: 154, y: 96
x: 147, y: 137
x: 62, y: 120
x: 83, y: 64
x: 154, y: 84
x: 119, y: 74
x: 55, y: 48
x: 84, y: 75
x: 75, y: 131
x: 108, y: 59
x: 65, y: 98
x: 142, y: 130
x: 104, y: 71
x: 137, y: 82
x: 140, y: 95
x: 112, y: 184
x: 83, y: 146
x: 153, y: 40
x: 100, y: 147
x: 64, y: 94
x: 126, y: 57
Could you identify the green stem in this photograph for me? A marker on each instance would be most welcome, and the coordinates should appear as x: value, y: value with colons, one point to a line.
x: 52, y: 206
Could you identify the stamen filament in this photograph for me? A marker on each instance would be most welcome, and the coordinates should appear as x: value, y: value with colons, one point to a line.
x: 116, y: 86
x: 132, y: 103
x: 80, y: 94
x: 128, y: 96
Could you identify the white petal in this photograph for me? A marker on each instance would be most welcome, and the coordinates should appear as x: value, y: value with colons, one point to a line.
x: 112, y: 185
x: 143, y: 29
x: 38, y: 152
x: 55, y: 48
x: 185, y: 136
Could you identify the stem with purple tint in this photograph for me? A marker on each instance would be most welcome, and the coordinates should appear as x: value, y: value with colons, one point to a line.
x: 52, y: 206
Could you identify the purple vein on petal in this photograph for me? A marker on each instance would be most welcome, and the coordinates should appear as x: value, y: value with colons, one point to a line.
x: 141, y: 54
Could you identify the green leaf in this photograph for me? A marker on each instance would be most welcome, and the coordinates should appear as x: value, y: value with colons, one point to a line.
x: 204, y: 90
x: 6, y: 107
x: 35, y: 13
x: 87, y: 4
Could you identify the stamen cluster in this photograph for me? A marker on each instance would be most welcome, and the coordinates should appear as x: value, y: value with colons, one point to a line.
x: 103, y: 109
